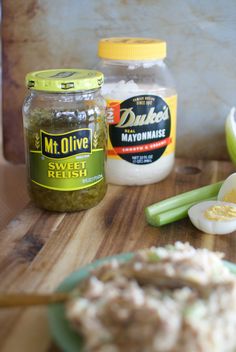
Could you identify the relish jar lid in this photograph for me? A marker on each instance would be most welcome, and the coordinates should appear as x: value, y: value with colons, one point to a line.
x: 127, y: 48
x: 61, y: 80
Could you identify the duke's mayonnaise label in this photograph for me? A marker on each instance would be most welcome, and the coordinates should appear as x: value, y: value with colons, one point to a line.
x: 142, y: 129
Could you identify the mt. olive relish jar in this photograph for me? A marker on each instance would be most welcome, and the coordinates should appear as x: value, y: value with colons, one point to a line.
x: 65, y: 139
x: 141, y: 100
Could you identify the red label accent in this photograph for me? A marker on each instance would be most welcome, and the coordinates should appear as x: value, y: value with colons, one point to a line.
x: 113, y: 112
x: 141, y: 148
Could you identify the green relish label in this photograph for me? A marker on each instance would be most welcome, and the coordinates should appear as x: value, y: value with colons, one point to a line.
x: 66, y: 162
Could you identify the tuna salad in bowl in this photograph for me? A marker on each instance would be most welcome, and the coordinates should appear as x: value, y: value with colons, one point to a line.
x: 163, y: 299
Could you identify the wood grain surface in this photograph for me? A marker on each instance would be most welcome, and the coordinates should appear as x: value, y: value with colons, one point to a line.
x: 39, y: 249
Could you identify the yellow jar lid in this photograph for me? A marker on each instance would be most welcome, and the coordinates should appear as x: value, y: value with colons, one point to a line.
x: 64, y: 80
x: 132, y: 48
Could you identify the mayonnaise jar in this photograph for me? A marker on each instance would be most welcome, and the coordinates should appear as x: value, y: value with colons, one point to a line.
x: 141, y: 114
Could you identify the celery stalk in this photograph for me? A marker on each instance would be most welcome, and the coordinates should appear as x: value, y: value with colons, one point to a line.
x: 181, y: 200
x: 173, y: 214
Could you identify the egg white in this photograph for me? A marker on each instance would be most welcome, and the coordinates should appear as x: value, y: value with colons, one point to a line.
x: 217, y: 227
x: 228, y: 189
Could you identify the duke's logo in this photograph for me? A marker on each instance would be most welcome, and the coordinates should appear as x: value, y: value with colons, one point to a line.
x: 66, y: 144
x: 129, y: 119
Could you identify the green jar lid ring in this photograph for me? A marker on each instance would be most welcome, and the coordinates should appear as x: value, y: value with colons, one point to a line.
x: 64, y: 80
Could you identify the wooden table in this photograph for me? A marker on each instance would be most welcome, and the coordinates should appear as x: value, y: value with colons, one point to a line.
x: 39, y: 249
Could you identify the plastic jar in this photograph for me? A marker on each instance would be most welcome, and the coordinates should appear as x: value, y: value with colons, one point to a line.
x: 142, y: 101
x: 65, y: 139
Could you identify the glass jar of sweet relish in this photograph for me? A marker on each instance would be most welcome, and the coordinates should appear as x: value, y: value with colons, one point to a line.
x: 65, y: 139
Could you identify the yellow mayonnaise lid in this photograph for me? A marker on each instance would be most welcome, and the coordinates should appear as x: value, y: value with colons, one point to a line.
x: 64, y: 80
x: 131, y: 48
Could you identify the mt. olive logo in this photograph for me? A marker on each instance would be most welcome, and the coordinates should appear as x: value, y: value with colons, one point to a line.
x: 67, y: 144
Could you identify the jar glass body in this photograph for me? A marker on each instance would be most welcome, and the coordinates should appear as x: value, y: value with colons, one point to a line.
x: 131, y: 84
x: 55, y: 130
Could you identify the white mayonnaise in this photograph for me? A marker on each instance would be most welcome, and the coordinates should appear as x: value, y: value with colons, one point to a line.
x: 141, y: 114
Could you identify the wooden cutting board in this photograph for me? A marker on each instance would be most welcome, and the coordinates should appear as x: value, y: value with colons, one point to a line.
x: 39, y: 249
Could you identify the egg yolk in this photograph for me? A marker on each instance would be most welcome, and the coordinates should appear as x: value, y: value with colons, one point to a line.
x: 220, y: 212
x: 230, y: 197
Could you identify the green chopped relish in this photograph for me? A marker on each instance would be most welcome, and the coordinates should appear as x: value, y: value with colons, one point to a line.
x: 65, y: 138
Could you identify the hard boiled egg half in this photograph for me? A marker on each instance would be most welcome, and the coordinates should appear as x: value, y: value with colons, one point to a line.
x: 227, y: 192
x: 214, y: 217
x: 219, y: 216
